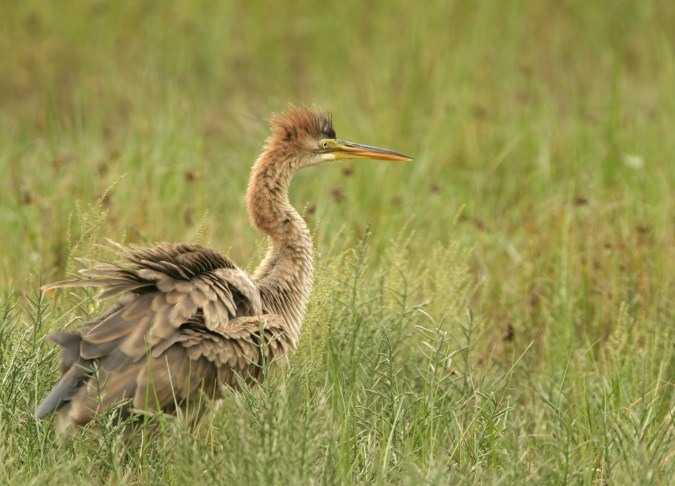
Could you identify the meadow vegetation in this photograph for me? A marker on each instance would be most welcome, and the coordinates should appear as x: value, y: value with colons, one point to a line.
x: 498, y: 311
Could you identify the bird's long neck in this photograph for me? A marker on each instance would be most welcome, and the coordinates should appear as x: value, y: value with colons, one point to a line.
x: 285, y: 275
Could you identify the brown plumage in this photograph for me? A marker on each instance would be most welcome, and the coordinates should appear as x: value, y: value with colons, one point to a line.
x: 187, y: 320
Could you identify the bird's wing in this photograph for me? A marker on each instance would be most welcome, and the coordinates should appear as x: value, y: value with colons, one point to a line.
x: 242, y: 350
x: 163, y: 287
x: 170, y: 296
x: 179, y: 370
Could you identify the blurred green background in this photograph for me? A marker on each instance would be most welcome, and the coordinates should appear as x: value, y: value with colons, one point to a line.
x: 542, y: 133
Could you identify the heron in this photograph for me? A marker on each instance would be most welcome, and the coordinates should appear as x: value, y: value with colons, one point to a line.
x: 187, y: 322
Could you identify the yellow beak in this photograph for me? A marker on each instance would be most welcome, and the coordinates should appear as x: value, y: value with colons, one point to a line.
x: 349, y: 150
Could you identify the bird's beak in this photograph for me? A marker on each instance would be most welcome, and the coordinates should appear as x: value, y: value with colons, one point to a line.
x: 341, y: 149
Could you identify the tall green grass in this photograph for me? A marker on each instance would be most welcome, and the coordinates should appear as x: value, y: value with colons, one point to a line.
x: 499, y: 311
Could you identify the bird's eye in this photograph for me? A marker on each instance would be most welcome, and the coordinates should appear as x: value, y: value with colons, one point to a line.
x: 323, y: 144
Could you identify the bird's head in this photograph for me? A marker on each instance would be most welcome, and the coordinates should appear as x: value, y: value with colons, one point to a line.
x: 306, y: 137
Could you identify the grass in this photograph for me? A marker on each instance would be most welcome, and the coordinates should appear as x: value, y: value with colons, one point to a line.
x: 498, y: 311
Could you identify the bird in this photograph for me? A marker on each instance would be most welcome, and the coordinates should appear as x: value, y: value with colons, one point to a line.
x: 187, y: 322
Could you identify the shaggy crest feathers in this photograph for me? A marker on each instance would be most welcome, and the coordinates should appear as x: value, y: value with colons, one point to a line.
x: 299, y: 123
